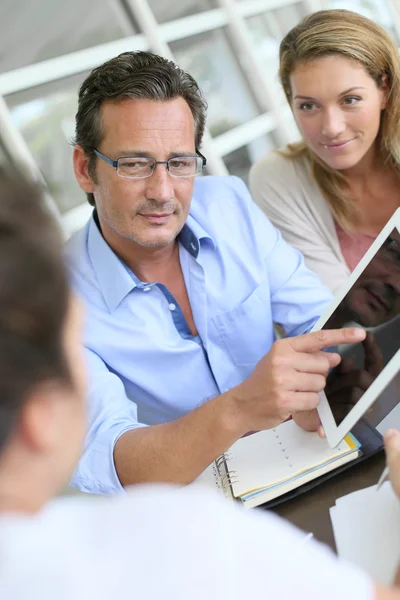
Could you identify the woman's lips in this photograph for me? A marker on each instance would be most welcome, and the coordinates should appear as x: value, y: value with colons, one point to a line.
x: 337, y: 146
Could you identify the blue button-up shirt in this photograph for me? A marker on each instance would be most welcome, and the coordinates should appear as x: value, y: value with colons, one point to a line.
x: 145, y: 367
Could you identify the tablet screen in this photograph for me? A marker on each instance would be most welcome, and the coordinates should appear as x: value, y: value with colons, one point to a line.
x: 373, y: 302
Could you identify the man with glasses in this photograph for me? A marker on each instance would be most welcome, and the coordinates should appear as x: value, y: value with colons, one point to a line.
x: 141, y: 167
x: 182, y: 284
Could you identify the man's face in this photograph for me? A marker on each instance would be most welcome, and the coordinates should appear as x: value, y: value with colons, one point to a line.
x: 152, y: 211
x: 375, y: 297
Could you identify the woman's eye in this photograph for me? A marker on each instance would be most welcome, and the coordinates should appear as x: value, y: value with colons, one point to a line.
x: 351, y: 100
x: 306, y: 106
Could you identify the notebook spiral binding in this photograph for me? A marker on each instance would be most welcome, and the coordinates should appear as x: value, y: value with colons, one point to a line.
x: 224, y: 477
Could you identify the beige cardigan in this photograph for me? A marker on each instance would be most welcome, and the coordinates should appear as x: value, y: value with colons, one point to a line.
x: 286, y: 191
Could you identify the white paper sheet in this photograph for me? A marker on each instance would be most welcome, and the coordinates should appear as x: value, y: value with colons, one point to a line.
x: 366, y: 526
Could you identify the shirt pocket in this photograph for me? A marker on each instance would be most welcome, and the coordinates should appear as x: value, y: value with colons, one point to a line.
x: 247, y: 330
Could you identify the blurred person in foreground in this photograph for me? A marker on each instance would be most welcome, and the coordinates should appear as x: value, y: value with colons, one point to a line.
x: 182, y: 280
x: 75, y: 549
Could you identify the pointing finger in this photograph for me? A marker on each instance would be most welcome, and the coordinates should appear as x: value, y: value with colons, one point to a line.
x: 318, y: 340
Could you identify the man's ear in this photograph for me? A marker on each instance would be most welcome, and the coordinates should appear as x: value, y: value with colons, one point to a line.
x: 81, y: 168
x: 42, y: 418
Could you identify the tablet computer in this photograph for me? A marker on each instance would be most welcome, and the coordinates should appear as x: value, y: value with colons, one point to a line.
x: 367, y: 381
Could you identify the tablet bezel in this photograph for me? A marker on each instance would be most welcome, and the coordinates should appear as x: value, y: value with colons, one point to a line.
x: 335, y: 433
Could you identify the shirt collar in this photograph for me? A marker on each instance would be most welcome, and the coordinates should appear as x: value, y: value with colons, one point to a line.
x: 114, y: 277
x: 192, y: 235
x: 114, y: 281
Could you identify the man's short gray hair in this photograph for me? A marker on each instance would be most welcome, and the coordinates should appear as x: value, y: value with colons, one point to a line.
x: 136, y: 75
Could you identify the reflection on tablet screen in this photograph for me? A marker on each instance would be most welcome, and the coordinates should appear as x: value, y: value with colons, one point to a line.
x: 373, y: 302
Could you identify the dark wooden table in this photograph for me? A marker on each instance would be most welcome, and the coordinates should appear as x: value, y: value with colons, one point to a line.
x: 310, y: 511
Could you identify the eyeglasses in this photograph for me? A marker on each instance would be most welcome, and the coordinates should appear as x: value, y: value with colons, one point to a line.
x: 140, y: 167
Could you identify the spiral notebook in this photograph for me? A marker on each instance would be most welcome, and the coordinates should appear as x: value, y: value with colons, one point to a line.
x: 268, y: 464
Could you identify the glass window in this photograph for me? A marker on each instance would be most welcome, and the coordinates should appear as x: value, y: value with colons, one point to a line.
x: 209, y: 59
x: 267, y: 31
x: 262, y: 26
x: 165, y: 10
x: 47, y: 124
x: 279, y: 20
x: 377, y: 10
x: 239, y: 161
x: 263, y: 32
x: 287, y: 17
x: 35, y: 31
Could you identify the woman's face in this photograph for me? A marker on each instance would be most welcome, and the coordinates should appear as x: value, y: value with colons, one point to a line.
x: 337, y: 106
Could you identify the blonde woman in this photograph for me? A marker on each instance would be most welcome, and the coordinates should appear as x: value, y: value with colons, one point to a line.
x: 331, y: 194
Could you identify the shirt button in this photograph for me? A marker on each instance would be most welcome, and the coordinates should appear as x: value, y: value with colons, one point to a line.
x: 146, y: 289
x: 171, y: 306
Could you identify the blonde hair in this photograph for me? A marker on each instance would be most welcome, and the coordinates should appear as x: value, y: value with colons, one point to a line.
x: 351, y: 35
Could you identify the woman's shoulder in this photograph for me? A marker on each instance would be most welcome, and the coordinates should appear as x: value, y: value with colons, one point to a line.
x: 283, y: 185
x: 279, y: 166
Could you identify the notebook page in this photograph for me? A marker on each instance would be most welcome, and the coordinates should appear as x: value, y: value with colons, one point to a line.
x: 366, y: 526
x: 268, y: 457
x: 209, y: 478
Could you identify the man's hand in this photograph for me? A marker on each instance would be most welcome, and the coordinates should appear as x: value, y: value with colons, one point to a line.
x: 392, y: 449
x: 289, y: 378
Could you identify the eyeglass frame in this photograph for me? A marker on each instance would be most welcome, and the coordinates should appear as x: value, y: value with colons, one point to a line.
x: 114, y: 163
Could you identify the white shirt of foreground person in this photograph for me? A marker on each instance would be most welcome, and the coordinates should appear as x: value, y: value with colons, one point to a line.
x: 158, y: 542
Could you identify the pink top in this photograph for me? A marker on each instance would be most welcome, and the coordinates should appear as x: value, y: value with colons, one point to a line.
x: 353, y: 246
